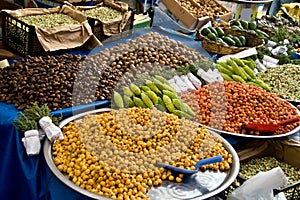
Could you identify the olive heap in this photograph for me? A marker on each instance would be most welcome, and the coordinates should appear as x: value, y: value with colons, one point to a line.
x: 284, y: 80
x: 50, y: 20
x: 45, y: 79
x: 229, y: 105
x: 103, y: 13
x: 151, y: 51
x: 203, y: 8
x: 68, y: 80
x: 115, y: 153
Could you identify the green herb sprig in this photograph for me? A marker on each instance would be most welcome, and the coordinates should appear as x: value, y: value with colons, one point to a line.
x: 29, y: 120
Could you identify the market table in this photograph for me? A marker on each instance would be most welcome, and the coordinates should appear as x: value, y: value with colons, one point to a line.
x: 29, y: 177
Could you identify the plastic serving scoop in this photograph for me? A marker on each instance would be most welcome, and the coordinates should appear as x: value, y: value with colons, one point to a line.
x: 269, y: 128
x: 197, y: 165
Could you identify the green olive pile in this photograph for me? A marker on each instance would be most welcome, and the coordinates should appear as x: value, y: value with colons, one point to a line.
x: 230, y: 105
x: 284, y: 80
x: 103, y: 13
x: 115, y: 153
x: 50, y: 20
x: 253, y: 166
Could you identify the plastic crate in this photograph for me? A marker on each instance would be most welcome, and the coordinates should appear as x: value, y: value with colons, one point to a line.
x: 97, y: 26
x: 20, y: 37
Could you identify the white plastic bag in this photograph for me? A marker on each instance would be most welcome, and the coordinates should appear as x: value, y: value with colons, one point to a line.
x: 260, y: 186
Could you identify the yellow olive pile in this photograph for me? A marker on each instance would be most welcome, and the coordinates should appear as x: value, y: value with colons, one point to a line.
x: 115, y: 154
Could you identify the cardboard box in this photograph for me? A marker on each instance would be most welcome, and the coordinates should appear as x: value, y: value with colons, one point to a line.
x: 286, y: 150
x: 187, y: 19
x: 283, y: 149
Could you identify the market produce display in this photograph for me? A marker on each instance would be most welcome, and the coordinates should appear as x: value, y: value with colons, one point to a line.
x: 271, y: 23
x: 45, y: 80
x: 240, y: 70
x: 279, y: 49
x: 133, y: 141
x: 250, y: 26
x: 202, y: 70
x: 229, y: 106
x: 253, y: 166
x: 202, y: 8
x: 151, y: 53
x: 29, y: 119
x: 154, y: 92
x: 103, y: 13
x: 218, y: 35
x: 283, y: 80
x: 50, y: 20
x: 63, y: 81
x: 227, y: 40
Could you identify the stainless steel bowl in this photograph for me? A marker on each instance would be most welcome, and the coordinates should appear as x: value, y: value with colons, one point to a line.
x: 201, y: 185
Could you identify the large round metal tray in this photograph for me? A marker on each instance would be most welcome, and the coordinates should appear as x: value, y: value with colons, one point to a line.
x: 201, y: 185
x: 295, y: 130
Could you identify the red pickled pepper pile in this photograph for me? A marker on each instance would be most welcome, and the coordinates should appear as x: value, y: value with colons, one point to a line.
x: 229, y: 105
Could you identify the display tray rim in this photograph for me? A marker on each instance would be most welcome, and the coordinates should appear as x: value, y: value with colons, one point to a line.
x: 230, y: 177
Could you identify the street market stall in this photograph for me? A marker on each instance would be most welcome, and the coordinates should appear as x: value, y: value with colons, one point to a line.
x: 179, y: 110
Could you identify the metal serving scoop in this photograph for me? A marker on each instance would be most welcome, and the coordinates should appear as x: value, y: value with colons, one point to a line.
x: 269, y: 128
x: 200, y: 163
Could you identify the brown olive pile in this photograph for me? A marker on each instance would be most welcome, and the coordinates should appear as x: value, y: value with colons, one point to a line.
x: 115, y: 153
x: 152, y: 51
x: 229, y: 105
x: 47, y: 79
x: 205, y: 8
x: 64, y: 81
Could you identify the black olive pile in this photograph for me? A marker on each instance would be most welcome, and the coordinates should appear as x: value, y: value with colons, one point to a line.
x: 68, y: 80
